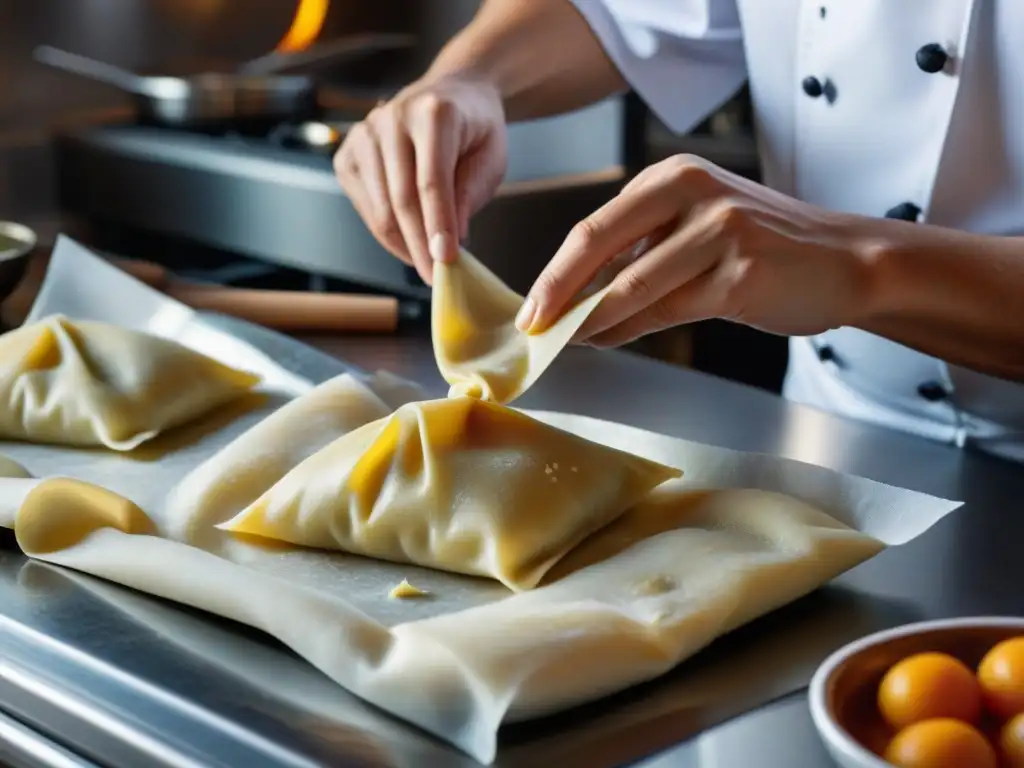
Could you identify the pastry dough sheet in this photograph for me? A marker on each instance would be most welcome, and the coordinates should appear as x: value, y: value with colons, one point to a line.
x: 472, y: 655
x: 457, y: 484
x: 86, y: 384
x: 479, y: 350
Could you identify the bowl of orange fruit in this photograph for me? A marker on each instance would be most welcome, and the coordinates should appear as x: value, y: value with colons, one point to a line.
x: 937, y: 694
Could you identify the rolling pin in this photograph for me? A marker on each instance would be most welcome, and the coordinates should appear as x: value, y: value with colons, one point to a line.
x: 290, y: 311
x: 294, y: 311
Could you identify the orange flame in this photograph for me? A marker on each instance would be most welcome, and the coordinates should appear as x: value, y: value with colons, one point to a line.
x: 306, y: 25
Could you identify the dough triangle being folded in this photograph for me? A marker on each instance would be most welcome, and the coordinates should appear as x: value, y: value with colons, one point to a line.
x: 478, y: 348
x: 85, y: 383
x: 460, y: 485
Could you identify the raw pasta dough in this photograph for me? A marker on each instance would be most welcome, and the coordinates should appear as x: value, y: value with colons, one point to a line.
x: 84, y: 383
x: 651, y: 589
x: 460, y: 485
x: 241, y: 472
x: 15, y: 483
x: 406, y: 591
x: 478, y: 348
x: 11, y: 468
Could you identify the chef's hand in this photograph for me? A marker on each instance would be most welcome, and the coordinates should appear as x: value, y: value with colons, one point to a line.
x: 421, y: 164
x: 695, y: 242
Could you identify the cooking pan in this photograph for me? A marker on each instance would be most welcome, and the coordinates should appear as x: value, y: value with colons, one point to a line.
x: 258, y: 92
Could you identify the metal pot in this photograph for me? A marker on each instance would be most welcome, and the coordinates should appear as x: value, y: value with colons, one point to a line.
x: 251, y: 94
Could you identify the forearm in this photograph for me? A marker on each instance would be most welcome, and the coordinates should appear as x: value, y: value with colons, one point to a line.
x: 950, y: 294
x: 541, y: 55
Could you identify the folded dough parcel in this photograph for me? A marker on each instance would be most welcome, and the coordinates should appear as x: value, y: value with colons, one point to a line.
x: 95, y: 384
x: 620, y: 598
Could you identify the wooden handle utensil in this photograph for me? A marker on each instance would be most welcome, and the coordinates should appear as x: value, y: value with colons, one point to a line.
x: 292, y: 311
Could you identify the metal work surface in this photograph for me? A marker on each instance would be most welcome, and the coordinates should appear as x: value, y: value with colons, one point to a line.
x: 122, y: 679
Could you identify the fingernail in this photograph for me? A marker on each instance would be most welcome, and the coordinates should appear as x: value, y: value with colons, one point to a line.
x: 438, y: 246
x: 524, y: 320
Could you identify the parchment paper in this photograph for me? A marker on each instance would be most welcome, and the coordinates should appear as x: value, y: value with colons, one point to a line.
x: 449, y: 664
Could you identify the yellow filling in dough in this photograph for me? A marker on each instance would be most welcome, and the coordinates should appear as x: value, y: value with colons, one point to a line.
x: 478, y: 348
x: 84, y: 383
x: 460, y: 485
x: 405, y: 591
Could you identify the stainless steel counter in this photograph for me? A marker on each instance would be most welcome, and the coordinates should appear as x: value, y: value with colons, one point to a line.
x: 122, y: 679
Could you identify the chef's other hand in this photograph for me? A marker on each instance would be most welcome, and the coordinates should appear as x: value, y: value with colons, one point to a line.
x: 421, y: 164
x: 705, y: 243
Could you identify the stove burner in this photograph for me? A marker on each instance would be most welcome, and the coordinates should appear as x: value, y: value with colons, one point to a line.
x: 315, y: 136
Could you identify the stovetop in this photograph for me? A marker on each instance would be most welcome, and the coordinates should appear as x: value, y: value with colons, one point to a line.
x: 317, y: 137
x: 267, y: 195
x: 261, y: 194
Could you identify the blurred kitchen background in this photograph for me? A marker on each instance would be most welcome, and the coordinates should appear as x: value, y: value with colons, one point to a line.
x: 255, y: 205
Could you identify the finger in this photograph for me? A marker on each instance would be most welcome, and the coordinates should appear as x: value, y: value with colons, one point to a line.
x: 646, y: 176
x: 361, y: 202
x: 613, y: 228
x: 386, y: 226
x: 478, y: 175
x: 436, y: 149
x: 371, y: 187
x: 464, y: 216
x: 400, y: 171
x: 678, y: 259
x: 606, y: 275
x: 697, y: 300
x: 346, y: 169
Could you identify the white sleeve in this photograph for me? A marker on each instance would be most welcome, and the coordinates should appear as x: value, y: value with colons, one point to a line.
x: 684, y: 58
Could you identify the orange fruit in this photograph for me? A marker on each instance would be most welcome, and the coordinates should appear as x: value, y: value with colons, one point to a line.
x: 940, y: 743
x: 1001, y: 674
x: 1011, y: 743
x: 927, y: 686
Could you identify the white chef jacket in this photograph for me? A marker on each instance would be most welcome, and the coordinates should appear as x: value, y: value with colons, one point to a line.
x: 880, y: 135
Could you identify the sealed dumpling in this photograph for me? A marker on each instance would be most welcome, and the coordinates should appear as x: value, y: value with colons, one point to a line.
x: 460, y: 485
x: 478, y: 348
x: 84, y: 383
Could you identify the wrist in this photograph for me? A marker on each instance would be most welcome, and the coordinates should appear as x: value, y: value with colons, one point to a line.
x: 882, y: 251
x: 471, y: 58
x: 444, y: 70
x: 916, y: 271
x: 498, y: 50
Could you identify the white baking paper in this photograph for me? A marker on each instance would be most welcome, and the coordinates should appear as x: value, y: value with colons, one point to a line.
x: 470, y: 657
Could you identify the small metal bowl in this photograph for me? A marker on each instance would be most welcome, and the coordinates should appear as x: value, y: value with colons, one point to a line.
x: 17, y: 242
x: 843, y: 691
